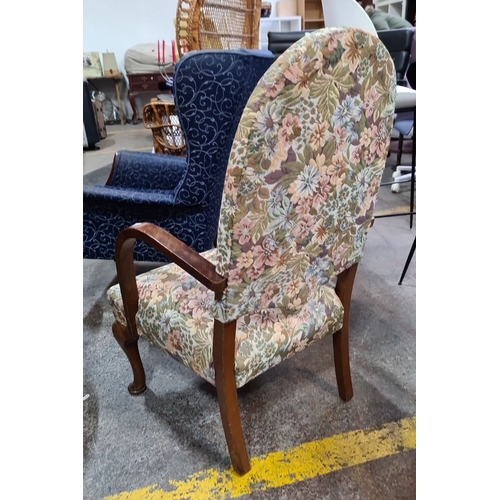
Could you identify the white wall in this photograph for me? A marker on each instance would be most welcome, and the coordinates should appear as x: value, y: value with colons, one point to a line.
x: 117, y: 25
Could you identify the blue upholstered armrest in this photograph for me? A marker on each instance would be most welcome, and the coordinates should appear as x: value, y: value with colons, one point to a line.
x: 143, y: 170
x: 118, y: 194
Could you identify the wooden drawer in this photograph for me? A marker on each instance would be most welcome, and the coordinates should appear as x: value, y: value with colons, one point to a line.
x: 145, y: 82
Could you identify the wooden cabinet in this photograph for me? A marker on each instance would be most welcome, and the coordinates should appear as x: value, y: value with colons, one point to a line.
x: 311, y: 12
x: 146, y: 81
x: 143, y: 82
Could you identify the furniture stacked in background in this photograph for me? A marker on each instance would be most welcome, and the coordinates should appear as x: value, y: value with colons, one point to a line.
x: 200, y: 25
x: 117, y: 79
x: 160, y: 116
x: 216, y: 24
x: 94, y: 127
x: 90, y: 131
x: 277, y: 24
x: 291, y: 230
x: 311, y: 12
x: 143, y: 73
x: 179, y: 194
x: 313, y: 17
x: 278, y: 42
x: 317, y: 14
x: 394, y: 7
x: 400, y: 43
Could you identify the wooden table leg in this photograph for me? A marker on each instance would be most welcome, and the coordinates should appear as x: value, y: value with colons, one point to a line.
x: 131, y: 98
x: 118, y: 89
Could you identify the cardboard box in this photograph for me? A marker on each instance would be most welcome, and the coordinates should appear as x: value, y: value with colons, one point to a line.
x: 109, y: 63
x: 285, y: 8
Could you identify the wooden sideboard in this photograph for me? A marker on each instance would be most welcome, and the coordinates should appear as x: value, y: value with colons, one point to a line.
x: 144, y: 82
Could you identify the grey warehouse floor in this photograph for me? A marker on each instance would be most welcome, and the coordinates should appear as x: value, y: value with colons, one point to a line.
x: 168, y: 442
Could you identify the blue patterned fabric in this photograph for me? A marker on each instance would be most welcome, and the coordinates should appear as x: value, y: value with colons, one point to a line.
x: 140, y: 170
x: 182, y: 195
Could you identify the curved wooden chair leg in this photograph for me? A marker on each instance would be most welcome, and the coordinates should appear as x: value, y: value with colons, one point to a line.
x: 225, y: 383
x: 345, y: 282
x: 131, y: 349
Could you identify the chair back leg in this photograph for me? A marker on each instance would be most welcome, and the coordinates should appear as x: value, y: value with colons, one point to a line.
x: 225, y: 383
x: 345, y: 282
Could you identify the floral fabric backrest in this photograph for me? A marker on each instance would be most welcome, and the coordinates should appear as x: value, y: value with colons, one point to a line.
x: 304, y: 171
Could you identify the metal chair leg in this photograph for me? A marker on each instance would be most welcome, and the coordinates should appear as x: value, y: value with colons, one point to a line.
x: 408, y: 260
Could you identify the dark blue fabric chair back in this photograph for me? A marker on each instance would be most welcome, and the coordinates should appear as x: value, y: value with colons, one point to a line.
x: 210, y: 94
x: 181, y: 195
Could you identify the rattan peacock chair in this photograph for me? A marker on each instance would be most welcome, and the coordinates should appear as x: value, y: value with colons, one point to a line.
x: 217, y: 24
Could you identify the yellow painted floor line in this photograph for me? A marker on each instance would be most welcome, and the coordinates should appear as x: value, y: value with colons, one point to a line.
x: 395, y: 210
x: 282, y: 468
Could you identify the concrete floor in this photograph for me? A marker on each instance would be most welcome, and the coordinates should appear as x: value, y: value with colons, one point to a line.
x: 135, y: 447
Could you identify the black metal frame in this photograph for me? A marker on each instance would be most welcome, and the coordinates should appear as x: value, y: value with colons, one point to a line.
x: 411, y: 212
x: 408, y: 260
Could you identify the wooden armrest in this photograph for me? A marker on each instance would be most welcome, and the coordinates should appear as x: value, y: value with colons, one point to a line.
x: 156, y: 126
x: 177, y: 251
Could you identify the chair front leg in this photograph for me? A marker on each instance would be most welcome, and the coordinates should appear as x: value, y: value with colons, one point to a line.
x: 345, y: 282
x: 127, y: 336
x: 131, y: 349
x: 225, y: 383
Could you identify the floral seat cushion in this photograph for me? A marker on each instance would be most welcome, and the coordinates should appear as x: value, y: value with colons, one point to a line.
x: 176, y: 315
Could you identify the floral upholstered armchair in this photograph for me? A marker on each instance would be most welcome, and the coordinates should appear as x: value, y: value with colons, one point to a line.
x: 182, y: 195
x: 303, y: 176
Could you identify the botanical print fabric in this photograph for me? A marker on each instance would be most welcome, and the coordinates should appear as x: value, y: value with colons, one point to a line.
x: 303, y: 174
x: 304, y: 170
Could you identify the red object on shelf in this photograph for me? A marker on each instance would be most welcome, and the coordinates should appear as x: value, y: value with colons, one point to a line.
x: 174, y: 55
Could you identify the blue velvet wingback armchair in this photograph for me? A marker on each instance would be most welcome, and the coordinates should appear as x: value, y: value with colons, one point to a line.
x: 182, y: 195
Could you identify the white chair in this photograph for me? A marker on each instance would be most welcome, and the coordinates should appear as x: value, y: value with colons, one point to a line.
x: 348, y: 13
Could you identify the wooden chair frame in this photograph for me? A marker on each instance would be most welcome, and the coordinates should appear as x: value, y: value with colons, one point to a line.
x: 167, y: 134
x: 196, y: 29
x: 224, y: 334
